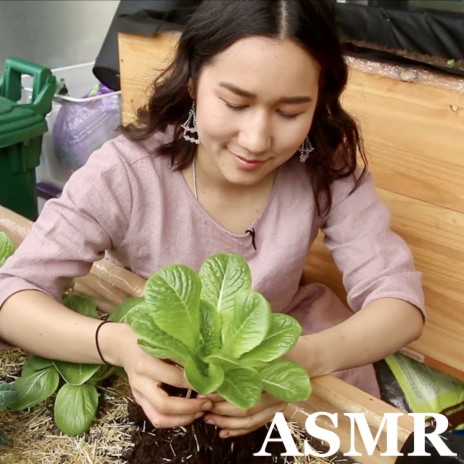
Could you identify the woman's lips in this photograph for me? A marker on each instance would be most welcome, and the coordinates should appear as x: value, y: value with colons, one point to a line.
x: 248, y: 164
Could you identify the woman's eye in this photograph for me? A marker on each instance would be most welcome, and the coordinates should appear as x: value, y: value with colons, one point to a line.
x: 288, y: 115
x: 234, y: 106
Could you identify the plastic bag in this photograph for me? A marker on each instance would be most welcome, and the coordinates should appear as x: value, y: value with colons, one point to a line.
x: 83, y: 125
x: 425, y: 388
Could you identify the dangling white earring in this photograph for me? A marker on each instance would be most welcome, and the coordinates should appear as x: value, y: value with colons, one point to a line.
x: 190, y: 127
x: 305, y: 149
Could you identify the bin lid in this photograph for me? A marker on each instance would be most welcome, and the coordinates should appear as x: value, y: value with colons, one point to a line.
x: 17, y: 120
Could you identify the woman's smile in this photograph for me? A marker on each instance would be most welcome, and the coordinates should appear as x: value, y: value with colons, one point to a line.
x: 248, y: 164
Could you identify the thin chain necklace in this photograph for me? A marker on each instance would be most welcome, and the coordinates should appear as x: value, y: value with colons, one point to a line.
x: 194, y: 177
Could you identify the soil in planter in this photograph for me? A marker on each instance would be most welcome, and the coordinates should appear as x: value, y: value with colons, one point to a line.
x: 199, y: 443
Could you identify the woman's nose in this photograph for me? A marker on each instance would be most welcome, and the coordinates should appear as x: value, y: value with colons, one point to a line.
x: 256, y: 133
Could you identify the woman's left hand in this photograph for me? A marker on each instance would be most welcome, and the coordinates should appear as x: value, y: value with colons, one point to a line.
x: 234, y: 421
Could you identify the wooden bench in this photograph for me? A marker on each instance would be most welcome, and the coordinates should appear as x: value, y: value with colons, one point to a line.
x: 414, y: 134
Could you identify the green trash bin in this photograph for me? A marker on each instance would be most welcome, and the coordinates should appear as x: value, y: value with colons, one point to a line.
x: 22, y: 126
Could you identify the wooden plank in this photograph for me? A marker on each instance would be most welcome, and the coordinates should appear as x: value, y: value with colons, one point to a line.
x: 141, y: 59
x: 414, y: 136
x: 334, y: 396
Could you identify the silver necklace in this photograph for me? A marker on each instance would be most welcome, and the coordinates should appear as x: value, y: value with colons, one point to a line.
x: 194, y: 178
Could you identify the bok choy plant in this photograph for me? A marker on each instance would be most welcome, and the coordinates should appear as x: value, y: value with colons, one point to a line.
x: 221, y: 331
x: 75, y: 385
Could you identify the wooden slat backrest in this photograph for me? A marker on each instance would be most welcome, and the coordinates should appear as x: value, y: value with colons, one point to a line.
x: 414, y: 136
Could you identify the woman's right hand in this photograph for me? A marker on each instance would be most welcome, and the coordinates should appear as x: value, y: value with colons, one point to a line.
x: 147, y: 374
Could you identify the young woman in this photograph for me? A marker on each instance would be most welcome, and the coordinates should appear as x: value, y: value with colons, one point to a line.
x: 244, y: 148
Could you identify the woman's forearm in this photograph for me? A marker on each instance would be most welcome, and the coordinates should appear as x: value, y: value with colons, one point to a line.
x: 37, y: 323
x: 379, y: 329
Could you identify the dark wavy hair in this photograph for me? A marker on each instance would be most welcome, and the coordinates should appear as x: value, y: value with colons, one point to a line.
x: 217, y: 24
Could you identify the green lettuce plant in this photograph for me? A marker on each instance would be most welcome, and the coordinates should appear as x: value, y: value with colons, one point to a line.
x: 221, y: 331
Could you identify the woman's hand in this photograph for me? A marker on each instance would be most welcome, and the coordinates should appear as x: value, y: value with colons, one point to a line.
x: 147, y: 374
x: 234, y: 421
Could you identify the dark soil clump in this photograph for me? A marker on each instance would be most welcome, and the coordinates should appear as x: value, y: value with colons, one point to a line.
x: 198, y: 443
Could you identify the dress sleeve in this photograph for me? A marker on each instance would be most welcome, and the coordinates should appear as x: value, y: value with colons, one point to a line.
x: 72, y: 232
x: 375, y: 262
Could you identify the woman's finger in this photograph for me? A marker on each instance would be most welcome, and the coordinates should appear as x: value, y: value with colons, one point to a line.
x: 225, y: 408
x: 161, y: 420
x: 170, y: 374
x: 233, y: 426
x: 151, y: 392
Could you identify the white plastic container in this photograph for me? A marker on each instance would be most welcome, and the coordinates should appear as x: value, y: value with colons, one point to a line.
x: 79, y: 81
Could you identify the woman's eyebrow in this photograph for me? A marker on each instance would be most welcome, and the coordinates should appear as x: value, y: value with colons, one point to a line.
x: 245, y: 93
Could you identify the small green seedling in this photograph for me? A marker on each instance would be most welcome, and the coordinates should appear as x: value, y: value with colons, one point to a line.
x: 221, y: 331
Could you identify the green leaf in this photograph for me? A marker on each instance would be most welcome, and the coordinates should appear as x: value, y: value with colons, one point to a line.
x: 34, y: 364
x: 7, y: 247
x: 225, y: 362
x: 8, y: 395
x: 249, y: 324
x: 141, y: 321
x: 286, y: 381
x: 161, y: 353
x: 210, y: 329
x: 102, y: 373
x: 241, y: 387
x: 35, y: 388
x: 204, y: 378
x: 76, y: 373
x: 75, y: 408
x: 119, y: 313
x: 173, y: 294
x: 81, y: 304
x: 223, y: 275
x: 282, y: 335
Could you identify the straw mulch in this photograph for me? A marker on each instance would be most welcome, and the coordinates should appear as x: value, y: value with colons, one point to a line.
x: 36, y: 440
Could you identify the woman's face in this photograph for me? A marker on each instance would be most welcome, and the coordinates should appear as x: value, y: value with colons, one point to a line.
x: 255, y: 103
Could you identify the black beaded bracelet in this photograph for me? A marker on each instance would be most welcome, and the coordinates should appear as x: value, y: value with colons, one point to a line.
x: 96, y: 342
